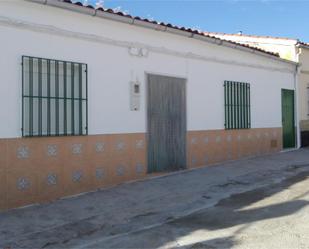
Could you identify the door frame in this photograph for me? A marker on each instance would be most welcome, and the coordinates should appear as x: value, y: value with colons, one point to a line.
x: 294, y: 124
x: 146, y: 74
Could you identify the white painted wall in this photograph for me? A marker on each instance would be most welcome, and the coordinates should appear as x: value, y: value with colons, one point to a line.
x: 303, y: 87
x: 104, y: 45
x: 283, y: 46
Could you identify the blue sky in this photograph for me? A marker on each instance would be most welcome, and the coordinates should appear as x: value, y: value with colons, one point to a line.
x: 261, y: 17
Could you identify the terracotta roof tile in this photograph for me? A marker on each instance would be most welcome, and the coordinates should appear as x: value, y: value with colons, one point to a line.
x: 205, y: 34
x: 304, y: 43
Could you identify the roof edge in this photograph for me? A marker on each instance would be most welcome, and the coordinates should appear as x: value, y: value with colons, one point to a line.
x: 251, y: 36
x: 303, y: 44
x: 169, y: 28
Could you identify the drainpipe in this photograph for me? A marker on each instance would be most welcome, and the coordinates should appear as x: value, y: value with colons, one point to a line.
x: 297, y: 110
x: 297, y: 97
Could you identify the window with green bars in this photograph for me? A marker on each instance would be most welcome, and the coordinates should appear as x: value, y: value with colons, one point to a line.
x: 237, y: 105
x: 54, y: 97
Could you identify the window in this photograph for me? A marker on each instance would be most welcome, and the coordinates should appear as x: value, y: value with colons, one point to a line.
x: 54, y: 97
x: 237, y: 105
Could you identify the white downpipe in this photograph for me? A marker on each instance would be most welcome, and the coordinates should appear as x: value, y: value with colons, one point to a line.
x: 297, y: 110
x: 297, y: 98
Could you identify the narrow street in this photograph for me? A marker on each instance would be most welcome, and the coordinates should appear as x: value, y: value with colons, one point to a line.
x: 253, y: 203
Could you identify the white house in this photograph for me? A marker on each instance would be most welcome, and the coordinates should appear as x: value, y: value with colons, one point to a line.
x: 289, y: 49
x: 91, y: 98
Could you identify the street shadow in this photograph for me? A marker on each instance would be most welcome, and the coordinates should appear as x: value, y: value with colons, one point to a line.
x: 236, y: 210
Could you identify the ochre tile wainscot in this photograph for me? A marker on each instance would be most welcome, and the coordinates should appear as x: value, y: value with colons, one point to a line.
x: 38, y: 170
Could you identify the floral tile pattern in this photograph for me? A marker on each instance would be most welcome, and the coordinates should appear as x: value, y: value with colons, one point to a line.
x: 77, y: 176
x: 194, y: 140
x: 23, y: 152
x: 52, y: 150
x: 99, y: 173
x: 120, y: 146
x: 139, y: 144
x: 121, y: 170
x: 99, y: 147
x: 23, y: 183
x: 77, y: 149
x: 52, y: 179
x: 111, y: 159
x: 206, y: 140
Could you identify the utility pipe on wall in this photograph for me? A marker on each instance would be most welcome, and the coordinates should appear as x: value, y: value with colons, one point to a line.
x: 296, y: 101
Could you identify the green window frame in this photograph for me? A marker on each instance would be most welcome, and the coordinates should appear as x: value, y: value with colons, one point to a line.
x: 54, y: 97
x: 237, y: 105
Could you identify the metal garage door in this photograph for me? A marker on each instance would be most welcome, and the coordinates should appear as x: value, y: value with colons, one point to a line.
x: 166, y: 123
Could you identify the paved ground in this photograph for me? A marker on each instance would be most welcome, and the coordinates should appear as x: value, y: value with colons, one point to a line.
x: 254, y: 203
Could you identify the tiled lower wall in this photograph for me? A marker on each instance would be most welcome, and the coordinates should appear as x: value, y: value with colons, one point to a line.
x: 209, y: 147
x: 37, y: 170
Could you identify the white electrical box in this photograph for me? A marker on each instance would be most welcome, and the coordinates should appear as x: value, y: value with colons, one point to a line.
x: 135, y: 95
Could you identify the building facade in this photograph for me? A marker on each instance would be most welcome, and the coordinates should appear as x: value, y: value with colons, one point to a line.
x: 290, y: 49
x: 90, y: 99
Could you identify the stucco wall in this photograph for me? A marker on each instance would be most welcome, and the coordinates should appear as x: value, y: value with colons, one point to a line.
x: 103, y: 45
x: 303, y: 85
x: 283, y: 46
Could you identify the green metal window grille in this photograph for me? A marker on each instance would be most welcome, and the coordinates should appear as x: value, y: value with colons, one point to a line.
x: 237, y: 105
x: 54, y: 97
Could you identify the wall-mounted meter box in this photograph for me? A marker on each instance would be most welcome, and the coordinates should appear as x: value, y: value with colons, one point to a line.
x: 135, y: 95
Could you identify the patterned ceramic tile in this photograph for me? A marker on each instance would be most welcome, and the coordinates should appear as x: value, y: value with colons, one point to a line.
x: 99, y: 147
x: 23, y: 183
x: 52, y: 179
x: 77, y: 149
x: 23, y: 152
x: 193, y: 160
x: 121, y: 170
x: 52, y: 150
x: 249, y: 136
x: 139, y: 168
x: 206, y: 140
x: 218, y: 139
x: 194, y: 140
x: 229, y: 138
x: 239, y: 137
x: 77, y: 176
x: 99, y: 173
x: 139, y: 144
x: 120, y: 146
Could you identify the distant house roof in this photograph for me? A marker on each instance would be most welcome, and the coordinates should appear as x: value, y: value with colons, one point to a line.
x: 123, y: 17
x: 297, y: 41
x: 247, y: 35
x: 303, y: 44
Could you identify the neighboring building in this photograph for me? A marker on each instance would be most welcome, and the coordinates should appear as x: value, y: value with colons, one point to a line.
x: 91, y: 98
x: 289, y: 49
